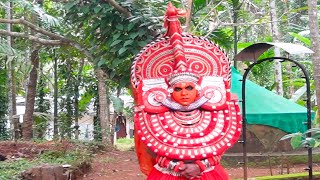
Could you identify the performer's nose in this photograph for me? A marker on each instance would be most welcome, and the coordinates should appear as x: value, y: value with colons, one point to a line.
x: 184, y: 92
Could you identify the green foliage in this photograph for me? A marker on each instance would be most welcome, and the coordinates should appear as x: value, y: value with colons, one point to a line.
x: 292, y: 79
x: 3, y: 101
x: 263, y: 74
x: 65, y: 122
x: 12, y: 169
x: 308, y: 139
x: 118, y: 104
x: 114, y: 39
x: 97, y: 133
x: 41, y: 118
x: 124, y: 144
x: 77, y: 86
x: 86, y: 99
x: 60, y: 157
x: 41, y: 123
x: 33, y: 7
x: 303, y: 39
x: 202, y: 22
x: 5, y: 50
x: 128, y: 111
x: 124, y: 141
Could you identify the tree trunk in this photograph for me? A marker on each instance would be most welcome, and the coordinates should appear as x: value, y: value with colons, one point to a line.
x: 76, y: 101
x: 188, y: 16
x: 76, y: 112
x: 55, y: 96
x: 103, y: 107
x: 235, y: 9
x: 31, y: 91
x: 276, y: 38
x: 314, y: 35
x: 290, y: 75
x: 12, y: 108
x: 27, y: 131
x: 108, y: 119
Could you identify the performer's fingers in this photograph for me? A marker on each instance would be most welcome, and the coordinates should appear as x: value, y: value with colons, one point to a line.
x: 183, y: 167
x: 197, y: 177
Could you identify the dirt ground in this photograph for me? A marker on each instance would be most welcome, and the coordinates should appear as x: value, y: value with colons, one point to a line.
x: 118, y: 165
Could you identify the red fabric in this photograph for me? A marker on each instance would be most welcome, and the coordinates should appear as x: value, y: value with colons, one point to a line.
x: 146, y: 161
x: 201, y: 165
x: 217, y: 174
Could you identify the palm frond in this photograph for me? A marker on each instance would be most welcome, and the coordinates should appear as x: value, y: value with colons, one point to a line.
x: 44, y: 116
x: 35, y: 8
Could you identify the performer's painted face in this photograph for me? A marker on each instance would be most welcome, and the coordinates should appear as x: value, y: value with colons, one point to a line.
x: 184, y: 93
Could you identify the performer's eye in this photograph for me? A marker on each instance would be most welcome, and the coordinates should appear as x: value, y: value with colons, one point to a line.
x: 177, y: 89
x: 189, y: 88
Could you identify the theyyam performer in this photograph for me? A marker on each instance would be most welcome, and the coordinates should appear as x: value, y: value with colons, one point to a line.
x: 185, y: 116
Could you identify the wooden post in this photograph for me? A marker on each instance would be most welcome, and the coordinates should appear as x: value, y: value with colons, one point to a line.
x: 16, y: 128
x: 270, y: 167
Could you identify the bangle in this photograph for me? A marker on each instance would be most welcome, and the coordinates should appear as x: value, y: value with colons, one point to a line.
x: 206, y: 163
x: 201, y: 165
x: 178, y: 165
x: 214, y: 160
x: 165, y: 162
x: 162, y: 162
x: 172, y: 164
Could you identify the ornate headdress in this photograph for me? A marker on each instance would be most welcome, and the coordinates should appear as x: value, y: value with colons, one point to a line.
x: 179, y: 56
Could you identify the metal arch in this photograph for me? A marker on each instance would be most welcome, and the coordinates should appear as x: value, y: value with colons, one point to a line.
x: 308, y: 123
x: 252, y: 52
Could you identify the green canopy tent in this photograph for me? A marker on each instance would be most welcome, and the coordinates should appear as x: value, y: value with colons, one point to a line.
x: 264, y: 107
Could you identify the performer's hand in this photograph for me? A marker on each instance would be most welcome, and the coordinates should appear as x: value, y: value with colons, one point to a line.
x: 190, y: 171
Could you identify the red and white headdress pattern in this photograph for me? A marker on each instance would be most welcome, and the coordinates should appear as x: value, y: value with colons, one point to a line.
x: 177, y: 52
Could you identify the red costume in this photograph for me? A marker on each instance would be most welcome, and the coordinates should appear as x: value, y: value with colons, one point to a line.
x: 185, y: 114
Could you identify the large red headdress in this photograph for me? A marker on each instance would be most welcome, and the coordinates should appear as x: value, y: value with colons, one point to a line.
x: 177, y: 52
x: 178, y: 57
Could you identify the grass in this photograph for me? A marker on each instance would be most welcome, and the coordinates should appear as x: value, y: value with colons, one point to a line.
x: 275, y: 162
x: 107, y: 160
x: 296, y: 176
x: 11, y: 169
x: 124, y: 144
x: 263, y: 161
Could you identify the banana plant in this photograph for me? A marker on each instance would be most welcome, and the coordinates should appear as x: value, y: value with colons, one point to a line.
x: 299, y: 139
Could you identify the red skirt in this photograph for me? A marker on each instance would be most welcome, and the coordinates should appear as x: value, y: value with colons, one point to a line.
x: 218, y: 173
